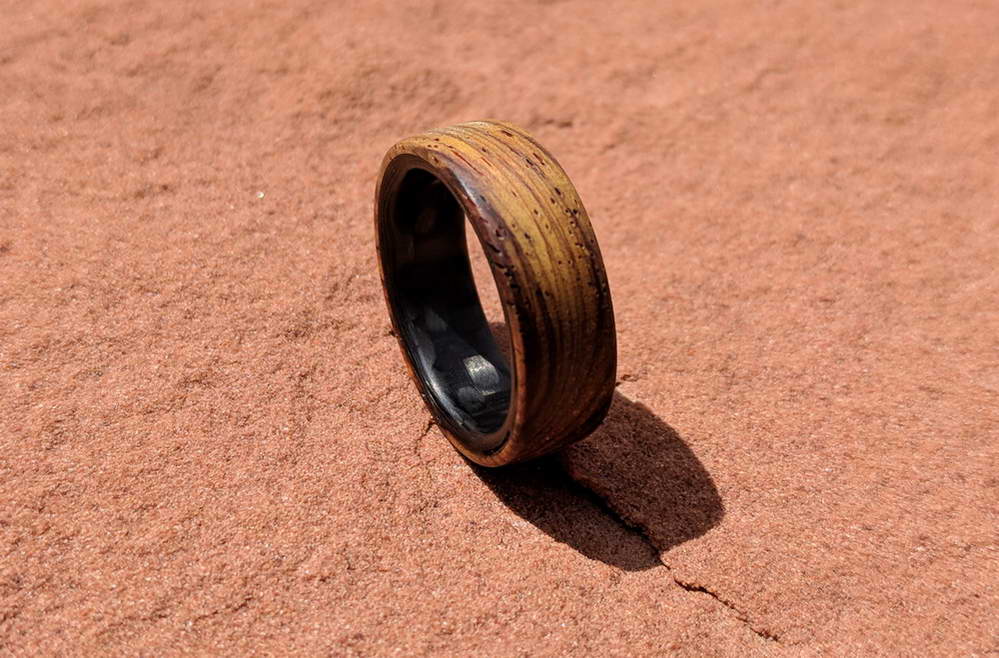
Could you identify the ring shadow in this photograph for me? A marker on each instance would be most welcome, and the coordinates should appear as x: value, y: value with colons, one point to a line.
x: 634, y: 460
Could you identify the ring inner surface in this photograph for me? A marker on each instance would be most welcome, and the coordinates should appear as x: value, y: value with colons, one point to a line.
x: 439, y: 311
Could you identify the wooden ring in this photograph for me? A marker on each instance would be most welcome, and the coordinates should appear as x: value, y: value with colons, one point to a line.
x: 551, y: 281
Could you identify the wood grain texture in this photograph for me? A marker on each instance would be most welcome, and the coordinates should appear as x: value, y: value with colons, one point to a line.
x: 551, y: 280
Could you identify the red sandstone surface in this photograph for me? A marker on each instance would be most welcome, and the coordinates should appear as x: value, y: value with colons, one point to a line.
x: 208, y: 441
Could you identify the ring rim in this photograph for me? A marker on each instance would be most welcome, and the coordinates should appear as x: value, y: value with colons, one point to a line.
x: 548, y: 271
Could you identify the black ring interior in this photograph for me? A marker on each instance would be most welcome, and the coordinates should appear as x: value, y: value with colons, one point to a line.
x: 438, y: 309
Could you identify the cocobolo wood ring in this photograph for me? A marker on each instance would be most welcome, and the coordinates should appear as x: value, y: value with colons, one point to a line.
x: 548, y: 272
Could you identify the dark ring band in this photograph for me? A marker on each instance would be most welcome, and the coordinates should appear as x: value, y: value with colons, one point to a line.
x: 551, y: 281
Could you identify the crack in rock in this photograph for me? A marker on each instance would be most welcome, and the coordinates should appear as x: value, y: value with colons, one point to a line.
x: 741, y: 616
x: 690, y: 587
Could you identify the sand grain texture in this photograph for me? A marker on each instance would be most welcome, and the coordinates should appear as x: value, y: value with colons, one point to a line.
x: 208, y: 442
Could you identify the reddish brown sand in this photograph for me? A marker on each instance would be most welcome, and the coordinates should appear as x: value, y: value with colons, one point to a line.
x: 208, y: 442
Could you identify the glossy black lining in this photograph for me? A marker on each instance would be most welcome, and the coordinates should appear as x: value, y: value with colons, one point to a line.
x: 437, y: 308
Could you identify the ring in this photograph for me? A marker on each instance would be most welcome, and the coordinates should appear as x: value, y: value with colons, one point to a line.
x: 551, y: 281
